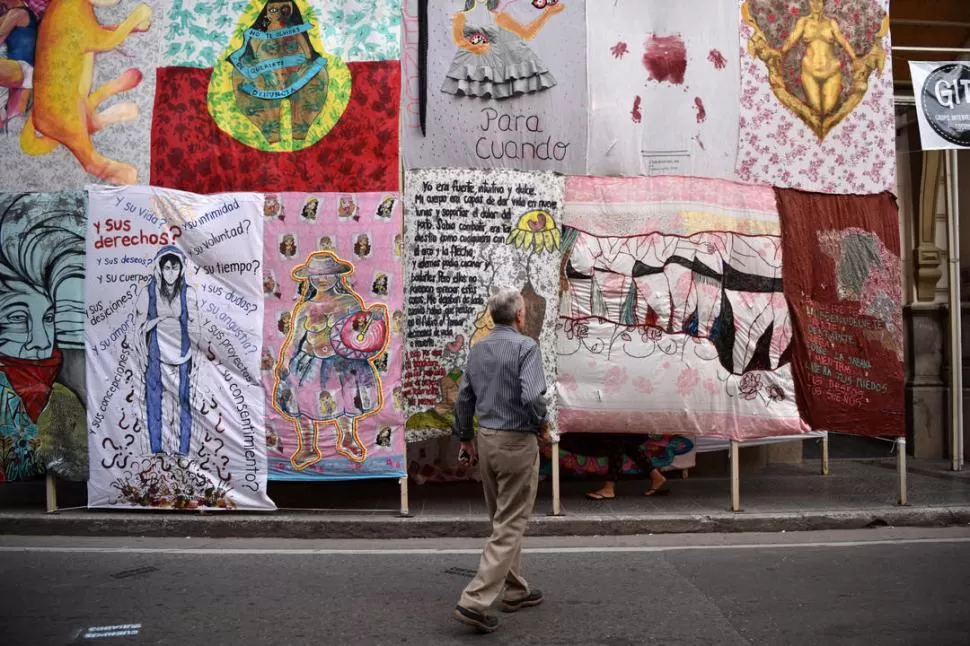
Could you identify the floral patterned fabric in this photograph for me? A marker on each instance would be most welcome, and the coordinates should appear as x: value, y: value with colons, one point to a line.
x: 672, y: 317
x: 785, y: 141
x: 360, y: 153
x: 355, y: 30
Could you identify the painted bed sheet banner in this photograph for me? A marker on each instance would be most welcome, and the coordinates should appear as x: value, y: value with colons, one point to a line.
x: 664, y: 88
x: 42, y: 335
x: 277, y: 112
x: 470, y: 233
x: 842, y: 279
x: 817, y: 96
x: 673, y: 320
x: 333, y: 335
x: 504, y: 85
x: 197, y: 31
x: 173, y: 330
x: 57, y: 132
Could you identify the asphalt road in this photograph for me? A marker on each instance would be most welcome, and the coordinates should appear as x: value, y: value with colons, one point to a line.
x: 873, y: 587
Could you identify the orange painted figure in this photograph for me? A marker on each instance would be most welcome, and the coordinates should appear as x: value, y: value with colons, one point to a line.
x: 326, y: 374
x: 65, y: 109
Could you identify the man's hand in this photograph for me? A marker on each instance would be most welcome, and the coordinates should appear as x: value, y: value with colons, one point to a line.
x: 468, y: 454
x: 545, y: 437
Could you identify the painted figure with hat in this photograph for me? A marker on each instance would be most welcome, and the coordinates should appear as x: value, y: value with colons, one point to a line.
x: 333, y: 342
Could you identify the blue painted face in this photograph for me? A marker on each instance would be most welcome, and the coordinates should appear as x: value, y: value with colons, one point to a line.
x: 26, y: 322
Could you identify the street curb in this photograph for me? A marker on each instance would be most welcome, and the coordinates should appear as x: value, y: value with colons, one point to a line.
x: 316, y: 526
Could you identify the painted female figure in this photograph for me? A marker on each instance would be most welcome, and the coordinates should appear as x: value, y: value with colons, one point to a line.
x: 329, y: 356
x: 169, y: 327
x: 821, y: 68
x: 493, y: 60
x: 278, y: 61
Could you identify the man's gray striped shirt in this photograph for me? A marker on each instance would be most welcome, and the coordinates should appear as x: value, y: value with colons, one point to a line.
x: 503, y: 385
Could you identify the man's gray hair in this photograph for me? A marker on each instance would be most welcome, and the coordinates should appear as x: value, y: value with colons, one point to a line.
x: 504, y: 305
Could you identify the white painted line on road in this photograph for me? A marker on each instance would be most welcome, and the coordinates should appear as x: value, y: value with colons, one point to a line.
x: 101, y: 632
x: 466, y: 551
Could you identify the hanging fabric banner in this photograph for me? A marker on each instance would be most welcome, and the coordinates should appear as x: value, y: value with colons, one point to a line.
x: 277, y: 112
x: 76, y: 92
x: 817, y: 108
x: 354, y: 30
x: 173, y: 331
x: 942, y: 104
x: 673, y: 319
x: 495, y: 84
x: 664, y: 88
x: 42, y: 336
x: 333, y: 335
x: 843, y: 281
x: 469, y: 234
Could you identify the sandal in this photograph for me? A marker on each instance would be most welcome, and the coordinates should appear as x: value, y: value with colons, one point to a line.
x: 595, y: 495
x: 659, y: 491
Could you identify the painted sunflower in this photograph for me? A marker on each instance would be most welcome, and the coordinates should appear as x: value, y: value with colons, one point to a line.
x: 535, y: 230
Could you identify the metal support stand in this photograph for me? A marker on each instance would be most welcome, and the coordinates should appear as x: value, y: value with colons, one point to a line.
x: 735, y: 477
x: 825, y: 454
x: 956, y: 328
x: 51, y: 488
x: 405, y: 513
x: 556, y: 507
x: 901, y: 468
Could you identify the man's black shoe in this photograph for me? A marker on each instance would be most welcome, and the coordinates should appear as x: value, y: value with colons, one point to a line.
x: 481, y: 623
x: 534, y: 599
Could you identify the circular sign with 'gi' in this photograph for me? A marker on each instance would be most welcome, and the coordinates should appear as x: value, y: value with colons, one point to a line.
x: 946, y: 102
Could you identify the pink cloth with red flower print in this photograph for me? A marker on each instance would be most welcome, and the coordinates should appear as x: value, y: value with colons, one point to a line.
x: 842, y: 278
x: 674, y: 320
x: 776, y: 148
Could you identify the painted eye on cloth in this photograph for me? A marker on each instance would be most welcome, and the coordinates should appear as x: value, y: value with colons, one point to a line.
x: 540, y: 4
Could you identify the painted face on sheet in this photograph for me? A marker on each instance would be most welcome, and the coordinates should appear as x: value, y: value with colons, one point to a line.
x: 171, y: 270
x: 278, y: 15
x: 26, y: 323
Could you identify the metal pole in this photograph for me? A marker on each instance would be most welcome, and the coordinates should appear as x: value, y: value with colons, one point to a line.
x: 934, y: 50
x: 556, y: 500
x: 735, y: 477
x: 945, y: 24
x: 50, y: 484
x: 956, y: 344
x: 825, y: 454
x: 901, y: 468
x: 405, y: 511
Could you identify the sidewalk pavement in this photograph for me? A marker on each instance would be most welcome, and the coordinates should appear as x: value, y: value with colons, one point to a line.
x: 856, y: 494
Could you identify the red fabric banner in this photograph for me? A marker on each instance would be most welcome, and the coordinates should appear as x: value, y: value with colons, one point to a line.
x: 842, y: 280
x: 190, y: 152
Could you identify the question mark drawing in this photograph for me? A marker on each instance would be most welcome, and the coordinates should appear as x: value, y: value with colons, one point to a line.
x: 131, y: 319
x: 247, y: 223
x: 176, y: 232
x: 256, y: 269
x: 133, y: 289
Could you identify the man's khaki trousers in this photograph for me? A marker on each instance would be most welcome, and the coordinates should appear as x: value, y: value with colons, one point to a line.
x: 509, y: 466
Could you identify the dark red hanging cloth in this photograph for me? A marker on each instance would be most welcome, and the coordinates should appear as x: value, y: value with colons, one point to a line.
x: 842, y: 278
x: 360, y: 153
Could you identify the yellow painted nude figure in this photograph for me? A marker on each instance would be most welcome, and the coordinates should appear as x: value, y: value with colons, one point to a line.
x: 821, y: 69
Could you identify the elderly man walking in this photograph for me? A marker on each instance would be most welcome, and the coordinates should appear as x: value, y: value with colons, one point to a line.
x: 504, y: 386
